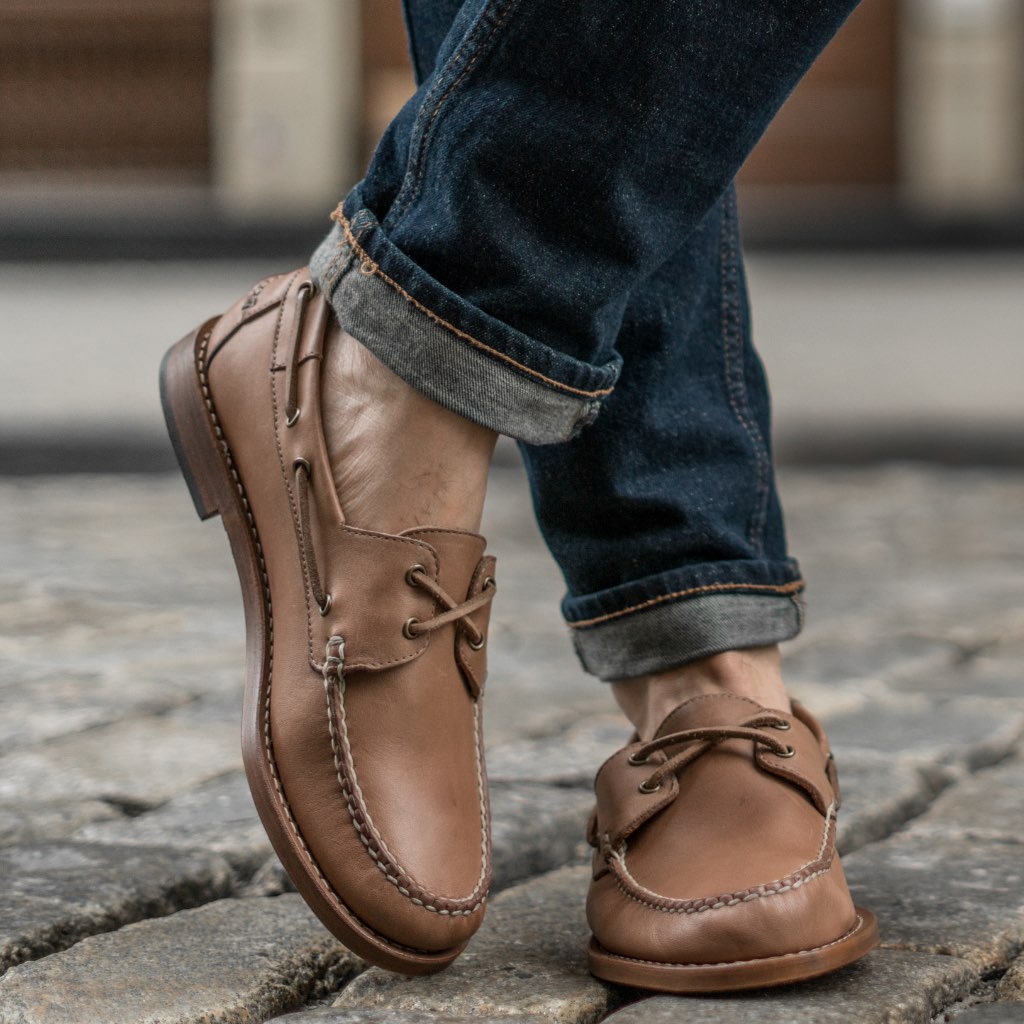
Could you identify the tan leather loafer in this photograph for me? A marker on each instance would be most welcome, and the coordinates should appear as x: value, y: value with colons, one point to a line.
x: 715, y: 866
x: 365, y: 651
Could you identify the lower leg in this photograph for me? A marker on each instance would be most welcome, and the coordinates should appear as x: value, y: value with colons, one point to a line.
x: 436, y: 461
x: 755, y: 673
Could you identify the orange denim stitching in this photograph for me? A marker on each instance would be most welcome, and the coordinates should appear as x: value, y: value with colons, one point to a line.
x: 369, y: 267
x: 787, y: 588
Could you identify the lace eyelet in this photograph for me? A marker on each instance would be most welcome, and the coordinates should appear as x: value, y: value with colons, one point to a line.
x: 303, y: 464
x: 477, y: 645
x: 789, y: 752
x: 644, y: 788
x: 293, y: 418
x: 410, y: 573
x: 407, y: 629
x: 781, y: 726
x: 488, y: 581
x: 327, y: 605
x: 636, y: 761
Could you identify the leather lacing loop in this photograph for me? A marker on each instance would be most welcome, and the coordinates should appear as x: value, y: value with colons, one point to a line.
x: 292, y: 410
x: 303, y: 474
x: 706, y: 739
x: 417, y: 576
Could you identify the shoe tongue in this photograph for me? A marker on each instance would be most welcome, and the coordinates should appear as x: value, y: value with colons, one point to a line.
x: 708, y: 711
x: 458, y: 554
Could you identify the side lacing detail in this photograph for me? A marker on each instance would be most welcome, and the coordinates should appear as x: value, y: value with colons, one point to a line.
x: 420, y: 896
x: 204, y: 383
x: 821, y: 863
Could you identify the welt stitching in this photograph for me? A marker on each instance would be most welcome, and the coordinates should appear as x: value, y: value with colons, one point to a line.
x: 711, y: 588
x: 794, y: 880
x: 411, y: 190
x: 359, y: 814
x: 201, y: 370
x: 371, y: 268
x: 734, y: 377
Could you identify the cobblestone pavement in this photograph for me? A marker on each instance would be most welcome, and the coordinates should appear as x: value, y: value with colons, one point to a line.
x: 137, y: 885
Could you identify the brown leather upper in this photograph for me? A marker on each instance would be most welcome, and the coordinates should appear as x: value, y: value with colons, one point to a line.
x: 719, y: 846
x: 374, y: 730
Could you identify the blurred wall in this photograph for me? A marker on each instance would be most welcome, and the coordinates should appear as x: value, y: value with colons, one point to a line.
x: 273, y: 106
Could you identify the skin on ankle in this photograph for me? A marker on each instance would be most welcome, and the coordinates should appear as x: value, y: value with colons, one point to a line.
x: 755, y: 673
x: 399, y: 460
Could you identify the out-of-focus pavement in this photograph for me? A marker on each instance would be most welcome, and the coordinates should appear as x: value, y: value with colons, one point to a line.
x: 857, y: 345
x: 136, y: 885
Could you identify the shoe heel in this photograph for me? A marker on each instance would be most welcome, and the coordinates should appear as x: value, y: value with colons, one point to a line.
x: 189, y: 427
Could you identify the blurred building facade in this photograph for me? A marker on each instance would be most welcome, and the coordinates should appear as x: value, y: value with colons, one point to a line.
x: 269, y: 108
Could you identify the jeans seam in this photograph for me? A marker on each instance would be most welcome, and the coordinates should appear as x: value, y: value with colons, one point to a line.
x: 733, y: 371
x: 370, y: 268
x: 785, y: 589
x: 423, y: 132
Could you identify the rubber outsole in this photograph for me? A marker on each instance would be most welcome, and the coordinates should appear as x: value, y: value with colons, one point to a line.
x: 216, y: 489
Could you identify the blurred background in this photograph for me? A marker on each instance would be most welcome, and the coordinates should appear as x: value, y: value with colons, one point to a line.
x: 157, y: 158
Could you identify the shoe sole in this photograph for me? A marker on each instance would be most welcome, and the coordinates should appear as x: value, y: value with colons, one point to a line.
x: 766, y: 972
x: 217, y: 489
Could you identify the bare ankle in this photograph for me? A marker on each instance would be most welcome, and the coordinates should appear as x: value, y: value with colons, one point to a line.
x: 755, y: 673
x: 399, y: 459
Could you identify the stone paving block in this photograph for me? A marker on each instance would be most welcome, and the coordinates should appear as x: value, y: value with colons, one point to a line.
x: 29, y: 821
x: 887, y: 987
x: 853, y: 652
x: 879, y: 795
x: 1001, y: 677
x: 940, y: 892
x: 987, y: 804
x: 1011, y: 984
x: 570, y: 759
x: 144, y: 761
x: 228, y: 962
x: 36, y: 706
x: 536, y: 828
x: 992, y: 1013
x: 960, y: 734
x: 218, y: 816
x: 56, y: 893
x: 331, y: 1015
x: 529, y: 957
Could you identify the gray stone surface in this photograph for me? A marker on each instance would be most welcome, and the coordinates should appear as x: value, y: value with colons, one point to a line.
x: 571, y: 759
x: 536, y: 828
x: 230, y: 962
x: 988, y: 804
x: 333, y: 1015
x: 142, y: 761
x: 958, y: 734
x: 940, y: 892
x: 528, y: 958
x: 218, y: 815
x: 56, y: 893
x: 121, y: 645
x: 993, y: 1013
x: 29, y: 820
x: 887, y: 987
x: 879, y: 795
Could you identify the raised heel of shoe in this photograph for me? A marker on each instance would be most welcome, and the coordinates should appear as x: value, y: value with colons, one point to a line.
x: 189, y: 426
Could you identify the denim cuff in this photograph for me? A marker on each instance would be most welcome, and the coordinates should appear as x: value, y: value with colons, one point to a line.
x: 673, y: 618
x: 448, y: 349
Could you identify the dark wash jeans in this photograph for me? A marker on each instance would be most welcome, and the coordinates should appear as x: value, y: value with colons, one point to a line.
x: 546, y: 243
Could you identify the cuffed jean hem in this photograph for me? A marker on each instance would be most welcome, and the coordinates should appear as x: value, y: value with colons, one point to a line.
x: 448, y: 349
x: 681, y: 624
